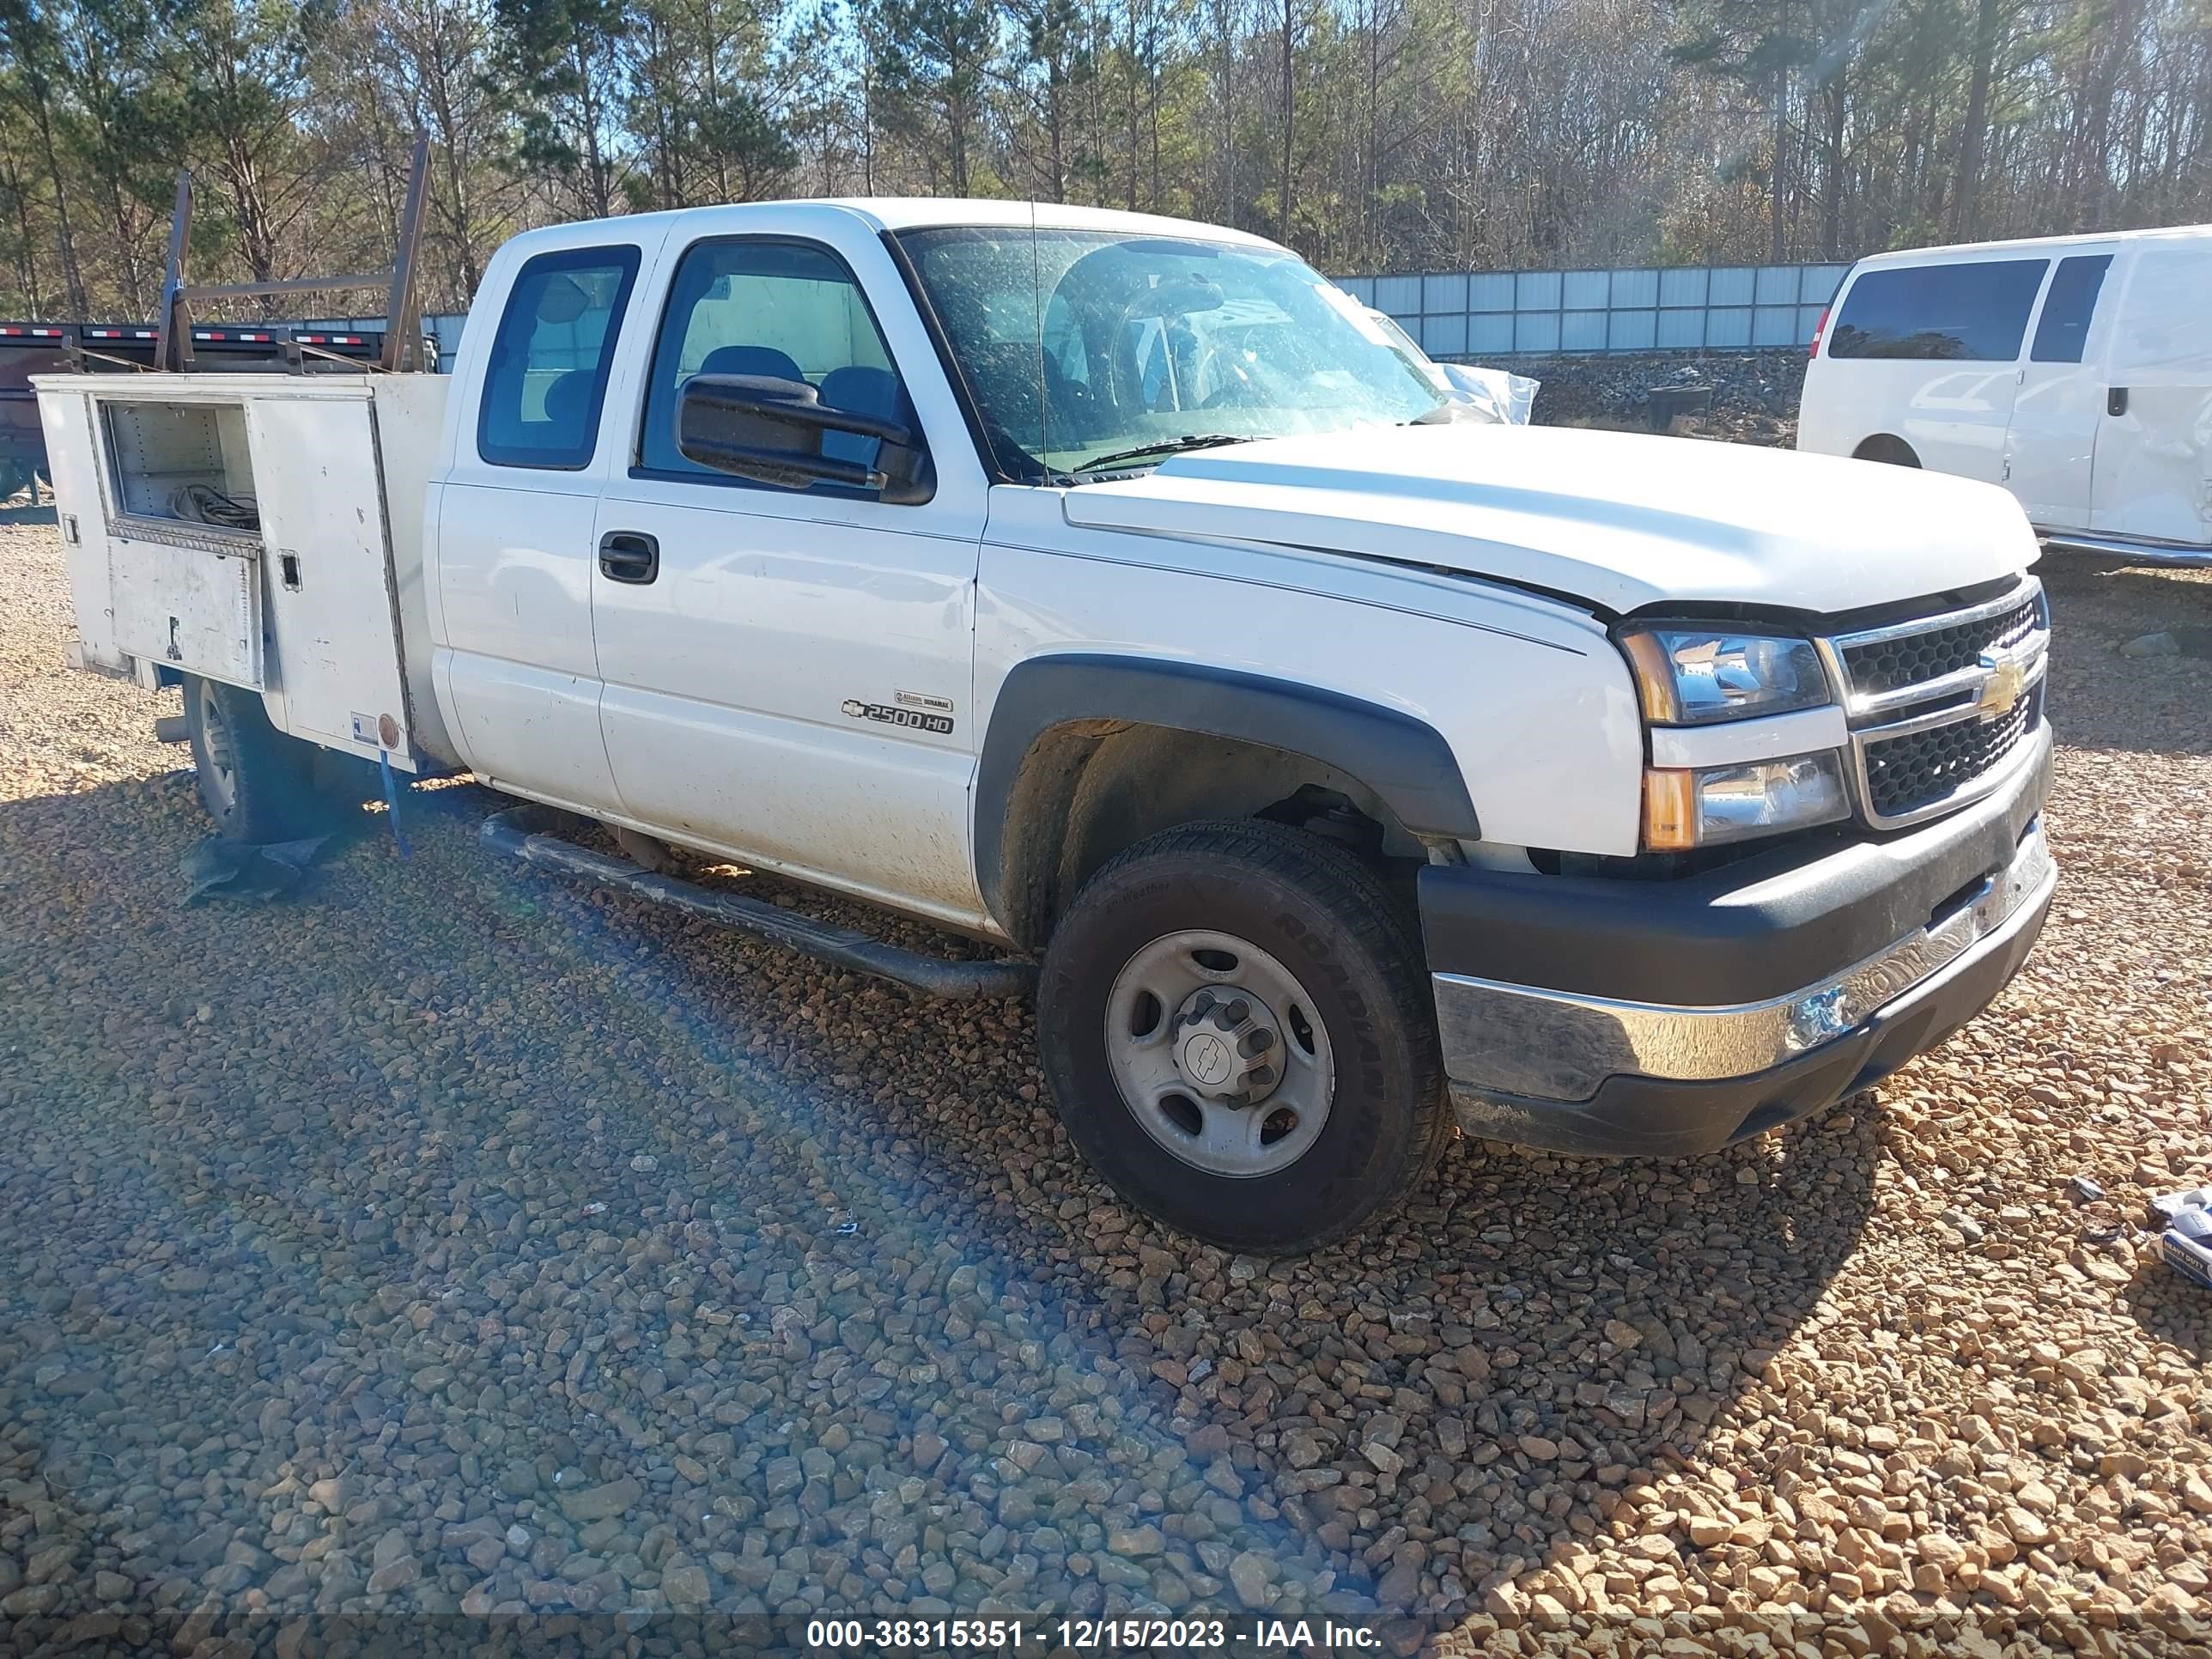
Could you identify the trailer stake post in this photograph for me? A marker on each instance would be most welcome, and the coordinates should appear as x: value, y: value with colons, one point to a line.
x: 173, y: 341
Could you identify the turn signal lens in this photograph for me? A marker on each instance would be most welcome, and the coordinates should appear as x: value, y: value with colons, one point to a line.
x: 1670, y: 810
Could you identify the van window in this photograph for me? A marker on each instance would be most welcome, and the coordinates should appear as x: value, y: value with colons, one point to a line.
x: 789, y: 310
x: 2064, y: 324
x: 1975, y: 312
x: 548, y: 375
x: 2164, y: 323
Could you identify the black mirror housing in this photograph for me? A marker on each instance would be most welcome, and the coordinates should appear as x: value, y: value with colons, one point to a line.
x: 769, y: 430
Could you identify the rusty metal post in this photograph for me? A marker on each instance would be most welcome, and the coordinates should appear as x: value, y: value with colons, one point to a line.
x: 403, y: 346
x: 173, y: 338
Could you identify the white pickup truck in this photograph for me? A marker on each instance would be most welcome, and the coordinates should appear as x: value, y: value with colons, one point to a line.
x: 1111, y: 590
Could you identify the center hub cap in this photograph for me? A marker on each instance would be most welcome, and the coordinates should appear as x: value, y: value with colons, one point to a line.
x: 1228, y: 1045
x: 1219, y: 1054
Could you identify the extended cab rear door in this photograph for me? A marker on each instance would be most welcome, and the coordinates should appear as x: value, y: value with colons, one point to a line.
x: 513, y: 655
x: 788, y: 672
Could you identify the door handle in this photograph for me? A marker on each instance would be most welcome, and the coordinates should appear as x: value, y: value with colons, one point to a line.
x: 627, y: 555
x: 2116, y: 400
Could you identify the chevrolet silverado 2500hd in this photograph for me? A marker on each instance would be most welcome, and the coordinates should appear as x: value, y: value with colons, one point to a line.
x: 1110, y: 589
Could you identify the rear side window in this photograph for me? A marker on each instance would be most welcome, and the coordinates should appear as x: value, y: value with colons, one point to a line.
x: 1974, y: 312
x: 548, y: 377
x: 2064, y: 324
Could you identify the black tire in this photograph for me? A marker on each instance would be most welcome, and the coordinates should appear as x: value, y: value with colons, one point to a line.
x: 1327, y: 920
x: 1891, y: 452
x: 257, y: 784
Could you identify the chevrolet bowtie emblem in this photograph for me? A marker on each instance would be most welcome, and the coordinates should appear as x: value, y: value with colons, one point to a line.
x: 2007, y: 680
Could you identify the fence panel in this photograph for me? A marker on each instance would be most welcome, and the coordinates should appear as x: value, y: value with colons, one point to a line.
x: 1494, y: 313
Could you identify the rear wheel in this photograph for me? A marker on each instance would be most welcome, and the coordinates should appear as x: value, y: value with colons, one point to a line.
x: 1893, y: 452
x: 257, y: 784
x: 1236, y: 1026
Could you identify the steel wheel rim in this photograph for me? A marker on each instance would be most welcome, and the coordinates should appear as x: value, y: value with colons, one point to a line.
x: 1168, y: 1062
x: 220, y: 756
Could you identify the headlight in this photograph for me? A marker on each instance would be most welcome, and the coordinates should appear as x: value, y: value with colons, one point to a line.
x: 1687, y: 676
x: 1715, y: 804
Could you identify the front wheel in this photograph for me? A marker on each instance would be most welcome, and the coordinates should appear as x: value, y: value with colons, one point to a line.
x: 1236, y: 1026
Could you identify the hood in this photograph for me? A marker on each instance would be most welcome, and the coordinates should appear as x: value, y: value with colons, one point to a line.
x: 1618, y: 519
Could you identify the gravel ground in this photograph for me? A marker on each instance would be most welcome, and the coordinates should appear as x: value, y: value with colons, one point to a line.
x: 452, y: 1242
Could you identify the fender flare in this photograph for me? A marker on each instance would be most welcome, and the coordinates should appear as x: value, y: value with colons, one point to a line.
x: 1404, y: 761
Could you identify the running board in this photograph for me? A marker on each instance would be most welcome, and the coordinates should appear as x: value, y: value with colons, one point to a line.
x: 520, y: 830
x: 2069, y: 541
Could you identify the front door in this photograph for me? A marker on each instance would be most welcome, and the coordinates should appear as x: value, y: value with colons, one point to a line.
x: 513, y: 658
x: 788, y: 672
x: 2051, y: 449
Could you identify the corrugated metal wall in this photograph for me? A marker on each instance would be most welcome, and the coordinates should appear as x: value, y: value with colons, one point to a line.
x: 1499, y: 313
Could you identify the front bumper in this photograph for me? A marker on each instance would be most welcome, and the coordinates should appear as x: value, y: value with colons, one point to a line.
x: 1673, y: 1018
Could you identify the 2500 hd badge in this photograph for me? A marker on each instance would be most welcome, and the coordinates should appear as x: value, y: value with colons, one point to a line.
x: 914, y: 719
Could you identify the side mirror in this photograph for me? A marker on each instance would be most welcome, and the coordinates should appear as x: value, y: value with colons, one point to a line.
x: 769, y: 430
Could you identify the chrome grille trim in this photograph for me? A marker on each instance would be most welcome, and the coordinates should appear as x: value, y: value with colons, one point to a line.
x: 2018, y: 653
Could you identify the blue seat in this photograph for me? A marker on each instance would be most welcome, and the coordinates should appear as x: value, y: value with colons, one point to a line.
x: 751, y: 360
x: 874, y: 391
x: 568, y: 412
x: 862, y: 390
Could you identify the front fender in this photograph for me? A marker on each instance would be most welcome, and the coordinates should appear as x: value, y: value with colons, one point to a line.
x: 1404, y: 762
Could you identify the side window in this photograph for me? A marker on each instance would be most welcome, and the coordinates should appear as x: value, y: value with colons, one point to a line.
x: 1975, y: 312
x: 2064, y: 324
x: 547, y: 380
x: 786, y: 309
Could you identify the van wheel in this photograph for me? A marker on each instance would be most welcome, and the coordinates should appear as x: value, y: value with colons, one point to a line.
x: 1894, y: 452
x: 257, y: 784
x: 1235, y: 1024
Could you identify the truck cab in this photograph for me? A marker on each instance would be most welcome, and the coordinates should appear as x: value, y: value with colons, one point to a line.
x: 1110, y: 589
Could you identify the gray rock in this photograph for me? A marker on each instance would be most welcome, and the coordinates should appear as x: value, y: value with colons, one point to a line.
x: 519, y: 1478
x: 1250, y: 1574
x: 597, y: 1503
x: 394, y: 1574
x: 684, y: 1583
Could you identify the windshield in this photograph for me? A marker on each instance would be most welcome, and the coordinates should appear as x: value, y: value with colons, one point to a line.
x: 1149, y: 340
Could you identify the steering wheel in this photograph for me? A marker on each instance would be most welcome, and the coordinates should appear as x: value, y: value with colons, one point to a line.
x: 1221, y: 367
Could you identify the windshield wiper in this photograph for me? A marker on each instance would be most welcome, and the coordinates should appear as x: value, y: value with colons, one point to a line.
x: 1163, y: 449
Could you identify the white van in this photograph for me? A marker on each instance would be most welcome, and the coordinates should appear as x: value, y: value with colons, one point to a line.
x: 2074, y: 370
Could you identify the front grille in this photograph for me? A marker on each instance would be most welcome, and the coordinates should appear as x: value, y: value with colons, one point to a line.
x: 1937, y: 705
x: 1891, y: 665
x: 1906, y: 774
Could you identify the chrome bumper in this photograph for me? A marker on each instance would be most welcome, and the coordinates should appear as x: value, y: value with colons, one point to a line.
x: 1541, y: 1045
